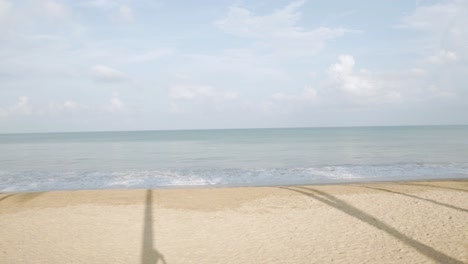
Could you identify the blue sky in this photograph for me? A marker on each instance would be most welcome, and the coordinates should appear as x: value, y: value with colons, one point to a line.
x: 97, y: 65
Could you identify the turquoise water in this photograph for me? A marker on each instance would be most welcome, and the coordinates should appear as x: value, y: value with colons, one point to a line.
x: 237, y: 157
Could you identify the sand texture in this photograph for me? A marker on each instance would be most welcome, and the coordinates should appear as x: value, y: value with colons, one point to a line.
x: 401, y: 222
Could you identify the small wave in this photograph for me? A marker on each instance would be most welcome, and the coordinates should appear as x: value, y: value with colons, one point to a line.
x: 18, y: 181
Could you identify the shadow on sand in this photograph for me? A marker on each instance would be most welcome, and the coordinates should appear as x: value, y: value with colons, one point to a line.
x: 22, y: 197
x: 26, y: 197
x: 419, y: 198
x: 434, y: 186
x: 369, y: 219
x: 6, y: 197
x: 149, y: 255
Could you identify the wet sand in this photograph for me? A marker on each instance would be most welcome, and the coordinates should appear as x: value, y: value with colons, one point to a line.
x: 399, y: 222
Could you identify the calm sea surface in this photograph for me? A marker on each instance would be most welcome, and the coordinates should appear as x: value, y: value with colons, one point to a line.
x: 238, y: 157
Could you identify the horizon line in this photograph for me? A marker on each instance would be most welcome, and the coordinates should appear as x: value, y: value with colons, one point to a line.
x: 240, y: 128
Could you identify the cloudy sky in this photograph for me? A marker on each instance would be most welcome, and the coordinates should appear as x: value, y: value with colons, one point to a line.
x: 96, y: 65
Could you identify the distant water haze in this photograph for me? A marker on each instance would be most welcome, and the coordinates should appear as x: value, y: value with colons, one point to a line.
x: 235, y: 157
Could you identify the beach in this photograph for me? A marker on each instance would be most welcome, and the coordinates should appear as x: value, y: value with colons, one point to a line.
x: 387, y: 222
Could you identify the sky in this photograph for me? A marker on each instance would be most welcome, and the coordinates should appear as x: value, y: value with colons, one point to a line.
x: 104, y: 65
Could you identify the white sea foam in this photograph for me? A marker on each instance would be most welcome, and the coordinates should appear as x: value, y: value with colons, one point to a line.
x: 72, y: 180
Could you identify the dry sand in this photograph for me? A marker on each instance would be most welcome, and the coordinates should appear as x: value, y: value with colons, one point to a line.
x: 401, y: 222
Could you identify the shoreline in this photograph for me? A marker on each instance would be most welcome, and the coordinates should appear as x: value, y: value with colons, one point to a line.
x: 378, y: 222
x: 226, y: 186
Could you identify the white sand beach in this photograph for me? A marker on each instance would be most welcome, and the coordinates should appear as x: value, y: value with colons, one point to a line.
x: 400, y: 222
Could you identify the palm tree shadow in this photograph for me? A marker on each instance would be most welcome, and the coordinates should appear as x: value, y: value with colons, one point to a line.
x: 149, y: 255
x: 26, y: 197
x: 6, y: 196
x: 434, y: 186
x: 22, y: 197
x: 369, y: 219
x: 419, y: 198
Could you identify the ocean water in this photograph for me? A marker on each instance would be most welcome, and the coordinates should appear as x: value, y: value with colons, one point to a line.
x: 237, y: 157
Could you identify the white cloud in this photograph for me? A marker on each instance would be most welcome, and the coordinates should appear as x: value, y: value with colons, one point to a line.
x: 360, y: 85
x: 242, y: 22
x: 102, y: 3
x: 266, y: 106
x: 198, y: 98
x: 307, y: 94
x: 126, y: 13
x: 107, y: 74
x: 284, y: 102
x: 435, y: 91
x: 174, y: 108
x: 432, y: 17
x: 342, y: 73
x: 115, y: 104
x: 54, y: 8
x: 23, y: 106
x: 442, y: 57
x: 181, y: 92
x: 190, y: 92
x: 3, y: 113
x: 441, y: 35
x: 119, y: 10
x: 236, y: 63
x: 67, y: 106
x: 5, y: 7
x: 444, y: 25
x: 70, y: 105
x: 282, y: 96
x: 417, y: 71
x: 152, y: 55
x: 278, y: 30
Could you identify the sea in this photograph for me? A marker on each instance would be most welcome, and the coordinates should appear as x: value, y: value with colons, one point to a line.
x: 230, y: 157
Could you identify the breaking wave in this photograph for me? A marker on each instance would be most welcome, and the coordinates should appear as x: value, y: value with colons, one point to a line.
x: 19, y: 181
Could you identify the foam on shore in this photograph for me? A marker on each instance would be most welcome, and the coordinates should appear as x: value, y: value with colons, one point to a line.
x: 50, y: 180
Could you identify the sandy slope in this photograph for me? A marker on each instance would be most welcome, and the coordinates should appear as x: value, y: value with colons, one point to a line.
x: 407, y: 222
